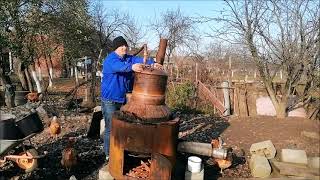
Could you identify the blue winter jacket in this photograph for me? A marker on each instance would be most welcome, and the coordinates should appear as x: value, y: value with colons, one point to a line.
x: 117, y: 79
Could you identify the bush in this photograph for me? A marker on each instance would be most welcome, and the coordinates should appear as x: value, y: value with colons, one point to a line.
x: 179, y: 96
x: 182, y: 98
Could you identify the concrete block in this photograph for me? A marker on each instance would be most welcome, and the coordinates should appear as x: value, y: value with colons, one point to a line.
x: 259, y: 166
x: 312, y: 135
x: 194, y: 176
x: 314, y: 162
x: 104, y: 174
x: 264, y: 148
x: 294, y: 156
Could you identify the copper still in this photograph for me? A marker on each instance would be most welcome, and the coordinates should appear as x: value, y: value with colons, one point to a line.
x: 143, y: 128
x: 147, y: 100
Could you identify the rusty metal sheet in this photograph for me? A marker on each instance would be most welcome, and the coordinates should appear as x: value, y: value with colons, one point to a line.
x: 166, y: 140
x: 158, y: 138
x: 133, y: 136
x: 161, y: 167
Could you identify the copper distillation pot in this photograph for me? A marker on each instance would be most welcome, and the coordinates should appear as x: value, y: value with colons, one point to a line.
x: 147, y: 100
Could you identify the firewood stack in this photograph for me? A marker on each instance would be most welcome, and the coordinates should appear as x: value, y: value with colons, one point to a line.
x: 142, y: 171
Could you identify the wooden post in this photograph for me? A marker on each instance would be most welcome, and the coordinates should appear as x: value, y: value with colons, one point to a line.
x: 243, y: 110
x: 177, y: 72
x: 251, y: 101
x: 226, y: 95
x: 196, y: 72
x: 236, y: 101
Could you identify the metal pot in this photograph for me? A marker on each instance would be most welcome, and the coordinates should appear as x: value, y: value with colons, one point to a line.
x: 30, y: 123
x: 8, y: 128
x: 147, y: 100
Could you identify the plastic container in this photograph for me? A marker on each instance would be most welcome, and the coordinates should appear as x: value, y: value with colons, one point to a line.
x: 194, y: 164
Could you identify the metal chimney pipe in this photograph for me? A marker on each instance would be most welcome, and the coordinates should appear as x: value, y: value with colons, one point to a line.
x: 162, y: 51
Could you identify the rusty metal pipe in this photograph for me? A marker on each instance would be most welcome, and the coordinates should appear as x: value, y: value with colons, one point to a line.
x: 145, y: 54
x: 162, y: 51
x: 204, y: 149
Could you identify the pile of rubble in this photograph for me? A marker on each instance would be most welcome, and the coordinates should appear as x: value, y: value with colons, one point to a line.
x: 290, y: 163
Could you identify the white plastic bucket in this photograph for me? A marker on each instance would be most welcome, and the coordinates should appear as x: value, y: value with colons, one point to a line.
x: 194, y: 164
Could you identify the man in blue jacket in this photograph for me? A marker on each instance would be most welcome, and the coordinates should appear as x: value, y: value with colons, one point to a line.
x: 117, y: 80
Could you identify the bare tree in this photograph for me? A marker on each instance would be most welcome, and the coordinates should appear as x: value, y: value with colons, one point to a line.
x: 179, y: 29
x: 104, y: 26
x: 134, y: 33
x: 279, y: 35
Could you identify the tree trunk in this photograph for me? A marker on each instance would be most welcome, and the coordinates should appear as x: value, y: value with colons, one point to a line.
x: 76, y: 75
x: 93, y: 75
x: 39, y: 71
x: 68, y: 69
x: 21, y: 75
x: 35, y: 78
x: 26, y: 72
x: 71, y: 71
x: 281, y: 110
x: 9, y: 89
x: 279, y: 105
x: 50, y: 71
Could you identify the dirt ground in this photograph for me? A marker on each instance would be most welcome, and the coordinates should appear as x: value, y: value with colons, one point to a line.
x: 237, y: 133
x: 285, y: 133
x: 240, y: 133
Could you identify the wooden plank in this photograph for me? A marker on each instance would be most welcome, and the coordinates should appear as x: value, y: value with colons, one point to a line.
x: 243, y: 107
x: 236, y: 102
x: 291, y: 169
x: 208, y: 95
x: 252, y: 107
x: 190, y: 131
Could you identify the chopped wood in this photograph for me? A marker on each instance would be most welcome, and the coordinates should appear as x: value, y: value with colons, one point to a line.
x: 190, y: 131
x: 146, y: 167
x: 142, y: 171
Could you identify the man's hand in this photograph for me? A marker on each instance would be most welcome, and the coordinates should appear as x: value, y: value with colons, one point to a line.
x: 137, y: 67
x: 157, y: 66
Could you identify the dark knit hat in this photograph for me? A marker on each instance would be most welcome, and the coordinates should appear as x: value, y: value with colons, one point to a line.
x: 119, y: 41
